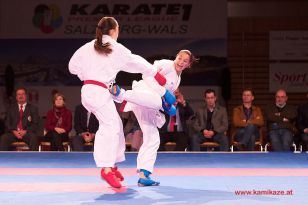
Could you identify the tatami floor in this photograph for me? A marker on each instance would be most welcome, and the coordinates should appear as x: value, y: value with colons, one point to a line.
x: 186, y: 178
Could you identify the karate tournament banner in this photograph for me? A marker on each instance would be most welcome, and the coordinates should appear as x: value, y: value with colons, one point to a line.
x: 38, y: 38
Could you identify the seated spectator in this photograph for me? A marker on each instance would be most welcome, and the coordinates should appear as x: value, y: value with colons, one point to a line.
x: 175, y: 129
x: 85, y: 125
x: 211, y: 123
x: 247, y: 119
x: 280, y: 121
x: 302, y: 124
x: 21, y: 122
x: 58, y: 123
x: 132, y: 131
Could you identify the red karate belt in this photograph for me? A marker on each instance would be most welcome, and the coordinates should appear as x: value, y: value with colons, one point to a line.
x: 94, y: 82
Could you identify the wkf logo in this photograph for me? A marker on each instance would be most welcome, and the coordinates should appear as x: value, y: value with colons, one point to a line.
x: 47, y: 18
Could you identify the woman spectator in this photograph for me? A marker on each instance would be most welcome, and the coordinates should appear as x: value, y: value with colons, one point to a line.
x: 58, y: 123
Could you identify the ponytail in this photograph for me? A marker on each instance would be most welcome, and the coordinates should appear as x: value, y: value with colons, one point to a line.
x: 103, y: 28
x: 99, y: 46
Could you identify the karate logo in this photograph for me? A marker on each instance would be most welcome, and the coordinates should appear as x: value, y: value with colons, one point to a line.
x: 47, y: 18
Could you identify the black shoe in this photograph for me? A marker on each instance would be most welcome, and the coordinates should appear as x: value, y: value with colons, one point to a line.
x: 241, y: 147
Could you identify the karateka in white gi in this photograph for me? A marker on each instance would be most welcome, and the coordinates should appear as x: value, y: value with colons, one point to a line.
x: 145, y: 101
x: 96, y: 64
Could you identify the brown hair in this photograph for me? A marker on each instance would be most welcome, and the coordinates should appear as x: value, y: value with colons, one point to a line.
x: 21, y: 88
x: 56, y: 95
x: 192, y: 58
x: 249, y: 90
x: 103, y: 28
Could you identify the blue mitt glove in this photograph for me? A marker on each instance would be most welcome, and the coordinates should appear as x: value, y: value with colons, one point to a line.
x: 169, y: 97
x: 115, y: 90
x: 169, y: 109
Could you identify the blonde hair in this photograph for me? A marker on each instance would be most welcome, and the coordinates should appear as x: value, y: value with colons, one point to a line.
x: 192, y: 58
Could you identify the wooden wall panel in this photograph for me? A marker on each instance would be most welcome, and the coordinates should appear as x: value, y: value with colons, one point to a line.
x: 248, y: 56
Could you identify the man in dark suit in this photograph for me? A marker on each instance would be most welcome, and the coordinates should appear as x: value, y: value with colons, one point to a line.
x: 211, y: 123
x: 302, y: 124
x: 175, y: 129
x: 21, y: 122
x: 85, y: 125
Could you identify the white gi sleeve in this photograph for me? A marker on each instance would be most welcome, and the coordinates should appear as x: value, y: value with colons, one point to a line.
x: 75, y: 64
x: 151, y: 82
x: 134, y: 63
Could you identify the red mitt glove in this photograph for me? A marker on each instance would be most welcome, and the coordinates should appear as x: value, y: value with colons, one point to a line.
x: 160, y: 79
